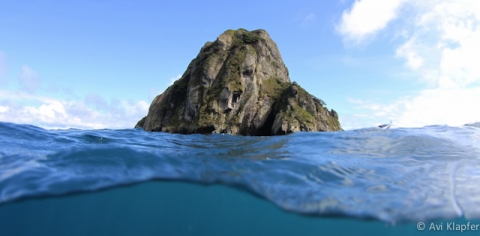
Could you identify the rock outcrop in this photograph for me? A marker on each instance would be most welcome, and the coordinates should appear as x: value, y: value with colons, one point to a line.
x: 238, y: 85
x: 475, y: 124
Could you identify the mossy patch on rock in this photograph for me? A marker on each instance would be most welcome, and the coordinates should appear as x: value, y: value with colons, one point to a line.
x: 273, y: 87
x: 234, y: 69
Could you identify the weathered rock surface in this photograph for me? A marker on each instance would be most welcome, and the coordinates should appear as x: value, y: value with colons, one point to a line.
x: 238, y: 85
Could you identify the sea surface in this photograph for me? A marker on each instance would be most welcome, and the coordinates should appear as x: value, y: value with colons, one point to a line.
x: 130, y: 182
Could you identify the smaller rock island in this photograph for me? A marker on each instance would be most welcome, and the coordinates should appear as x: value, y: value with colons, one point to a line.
x: 238, y: 85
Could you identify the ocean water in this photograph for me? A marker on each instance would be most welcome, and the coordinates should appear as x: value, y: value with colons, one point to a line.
x: 131, y: 182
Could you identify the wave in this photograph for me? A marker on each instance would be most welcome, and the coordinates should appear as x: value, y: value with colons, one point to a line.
x: 394, y: 175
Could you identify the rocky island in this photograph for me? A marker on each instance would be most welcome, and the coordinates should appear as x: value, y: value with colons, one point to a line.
x: 238, y: 85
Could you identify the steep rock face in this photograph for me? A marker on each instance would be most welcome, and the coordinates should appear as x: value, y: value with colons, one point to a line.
x: 238, y: 85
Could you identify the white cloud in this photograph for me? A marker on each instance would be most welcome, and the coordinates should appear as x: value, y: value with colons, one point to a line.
x: 453, y: 107
x: 367, y: 17
x: 308, y: 21
x: 133, y: 108
x: 442, y: 106
x: 29, y: 80
x: 53, y: 113
x: 439, y: 41
x: 414, y: 60
x: 446, y: 36
x: 4, y: 109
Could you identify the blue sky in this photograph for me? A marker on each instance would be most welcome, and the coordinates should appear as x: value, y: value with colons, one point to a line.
x: 99, y: 64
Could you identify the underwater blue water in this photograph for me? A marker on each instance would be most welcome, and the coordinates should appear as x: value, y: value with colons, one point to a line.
x: 389, y: 175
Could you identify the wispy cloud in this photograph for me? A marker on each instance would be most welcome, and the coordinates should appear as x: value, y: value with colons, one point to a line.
x: 96, y: 101
x: 414, y: 60
x: 3, y: 68
x: 29, y: 80
x: 308, y: 21
x: 48, y: 112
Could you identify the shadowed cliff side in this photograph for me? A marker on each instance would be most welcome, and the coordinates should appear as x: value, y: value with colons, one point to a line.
x: 238, y: 85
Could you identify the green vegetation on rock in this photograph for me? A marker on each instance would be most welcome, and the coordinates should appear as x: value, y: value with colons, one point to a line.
x: 273, y: 87
x: 249, y: 37
x: 234, y: 67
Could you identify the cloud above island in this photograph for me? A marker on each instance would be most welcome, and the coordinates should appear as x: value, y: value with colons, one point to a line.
x: 438, y: 41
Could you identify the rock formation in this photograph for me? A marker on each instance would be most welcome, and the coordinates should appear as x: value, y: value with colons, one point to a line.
x: 238, y: 85
x: 475, y: 124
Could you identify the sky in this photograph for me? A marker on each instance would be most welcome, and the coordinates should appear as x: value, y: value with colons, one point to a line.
x: 99, y: 64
